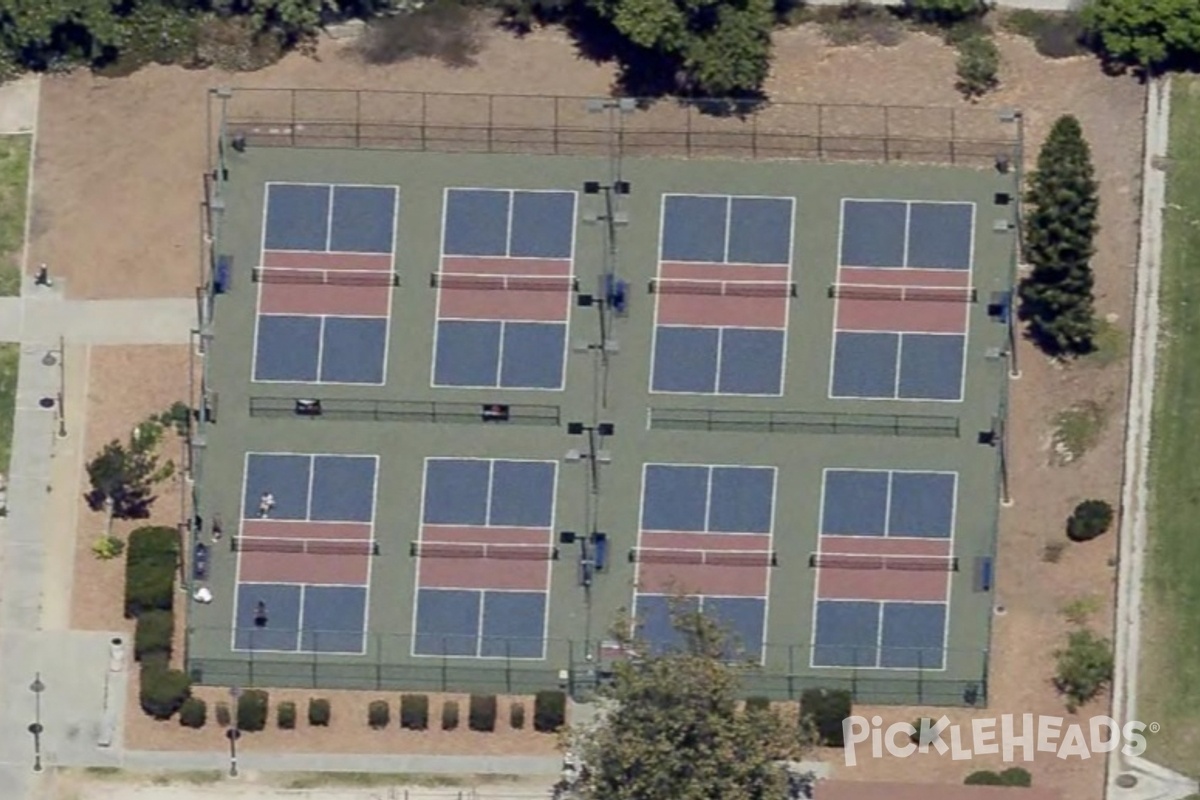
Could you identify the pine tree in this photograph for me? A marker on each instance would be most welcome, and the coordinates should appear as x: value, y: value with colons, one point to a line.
x: 1060, y: 226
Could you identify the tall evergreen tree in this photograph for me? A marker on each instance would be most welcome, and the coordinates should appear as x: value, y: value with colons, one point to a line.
x: 1060, y: 226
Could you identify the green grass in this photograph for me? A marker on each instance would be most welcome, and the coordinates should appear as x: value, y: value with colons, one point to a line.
x: 1079, y: 610
x: 195, y: 777
x: 316, y: 780
x: 1169, y: 693
x: 1110, y: 343
x: 14, y: 178
x: 1076, y: 430
x: 10, y: 355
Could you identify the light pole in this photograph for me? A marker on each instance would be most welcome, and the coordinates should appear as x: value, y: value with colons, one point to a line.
x: 35, y: 728
x: 233, y: 734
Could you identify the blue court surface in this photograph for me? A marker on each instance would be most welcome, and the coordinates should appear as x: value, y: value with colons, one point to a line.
x: 480, y: 623
x: 903, y: 233
x: 703, y: 499
x: 742, y: 618
x: 873, y: 634
x: 738, y: 361
x: 509, y: 223
x: 723, y: 229
x: 301, y: 618
x: 320, y: 349
x: 489, y: 492
x: 330, y: 218
x: 499, y: 354
x: 888, y: 503
x: 899, y: 366
x: 322, y: 488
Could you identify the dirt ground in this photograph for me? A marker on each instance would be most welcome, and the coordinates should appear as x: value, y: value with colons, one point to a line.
x: 146, y: 132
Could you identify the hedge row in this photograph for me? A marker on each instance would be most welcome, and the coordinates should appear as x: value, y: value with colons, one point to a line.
x: 151, y: 559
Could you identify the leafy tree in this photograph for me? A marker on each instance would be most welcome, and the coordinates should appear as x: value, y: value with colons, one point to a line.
x: 123, y: 475
x: 1060, y: 225
x: 945, y: 12
x: 978, y: 63
x: 1085, y: 667
x: 1150, y: 34
x: 718, y: 47
x: 1090, y: 519
x: 674, y: 730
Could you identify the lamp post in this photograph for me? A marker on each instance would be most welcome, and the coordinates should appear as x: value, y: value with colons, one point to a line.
x: 233, y: 734
x: 35, y: 728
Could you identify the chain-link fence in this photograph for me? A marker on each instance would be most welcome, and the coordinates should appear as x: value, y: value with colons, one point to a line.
x: 442, y: 122
x: 918, y: 676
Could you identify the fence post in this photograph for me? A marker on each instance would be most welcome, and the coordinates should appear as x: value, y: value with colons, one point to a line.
x: 555, y: 100
x: 491, y: 105
x: 754, y: 135
x: 820, y: 131
x: 508, y: 665
x: 887, y: 135
x: 358, y: 118
x: 953, y: 135
x: 316, y: 649
x: 921, y: 676
x: 687, y: 136
x: 791, y: 681
x: 424, y: 120
x: 292, y: 126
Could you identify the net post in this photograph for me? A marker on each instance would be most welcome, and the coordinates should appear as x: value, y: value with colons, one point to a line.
x: 921, y: 676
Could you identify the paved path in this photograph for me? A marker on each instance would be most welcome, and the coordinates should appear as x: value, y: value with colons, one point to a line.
x: 1152, y: 781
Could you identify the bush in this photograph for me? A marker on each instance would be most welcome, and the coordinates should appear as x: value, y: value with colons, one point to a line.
x: 379, y: 714
x: 193, y: 713
x: 252, y: 710
x: 549, y: 711
x: 1085, y: 667
x: 516, y: 716
x: 444, y: 29
x: 163, y: 690
x: 916, y: 737
x: 757, y: 704
x: 823, y: 710
x: 984, y: 777
x: 106, y: 548
x: 153, y: 634
x: 151, y: 558
x: 1016, y: 776
x: 945, y: 12
x: 978, y: 65
x: 285, y: 715
x: 414, y: 712
x: 222, y: 715
x: 481, y: 713
x: 1150, y: 34
x: 1090, y: 519
x: 318, y: 712
x: 1054, y: 35
x: 450, y: 715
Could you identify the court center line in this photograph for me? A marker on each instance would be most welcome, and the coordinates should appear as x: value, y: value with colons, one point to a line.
x: 879, y: 637
x: 491, y: 482
x: 512, y: 203
x: 500, y: 355
x: 312, y: 472
x: 887, y: 504
x: 708, y: 498
x: 728, y: 226
x: 899, y: 362
x: 907, y: 230
x: 300, y: 620
x: 479, y: 624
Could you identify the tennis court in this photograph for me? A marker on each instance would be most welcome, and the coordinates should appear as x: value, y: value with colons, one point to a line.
x: 884, y: 562
x: 723, y: 291
x: 903, y: 295
x: 505, y: 289
x: 325, y: 283
x: 483, y: 558
x: 304, y: 557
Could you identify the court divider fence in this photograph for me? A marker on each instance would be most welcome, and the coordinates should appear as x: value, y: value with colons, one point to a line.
x: 952, y: 677
x: 810, y: 422
x: 350, y: 409
x: 583, y: 126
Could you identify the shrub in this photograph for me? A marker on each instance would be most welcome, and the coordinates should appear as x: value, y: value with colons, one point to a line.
x: 153, y: 634
x: 318, y: 712
x: 285, y: 715
x: 984, y: 777
x: 379, y: 714
x: 1090, y: 519
x: 481, y: 713
x: 945, y: 12
x: 252, y: 710
x: 450, y: 715
x: 757, y: 704
x: 516, y: 716
x: 549, y: 711
x: 414, y: 712
x: 106, y: 548
x: 978, y: 65
x: 823, y: 710
x: 1150, y: 34
x: 222, y: 715
x: 931, y: 737
x: 1085, y: 667
x: 1016, y: 776
x: 193, y: 713
x: 163, y: 690
x: 150, y: 561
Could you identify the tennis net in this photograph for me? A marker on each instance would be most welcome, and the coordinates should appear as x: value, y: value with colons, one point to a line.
x: 728, y: 558
x: 945, y: 294
x: 715, y: 288
x: 874, y: 562
x: 500, y: 552
x: 325, y: 277
x: 327, y: 547
x: 517, y: 283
